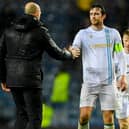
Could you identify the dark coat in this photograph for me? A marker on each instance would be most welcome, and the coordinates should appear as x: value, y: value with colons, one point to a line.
x: 21, y: 50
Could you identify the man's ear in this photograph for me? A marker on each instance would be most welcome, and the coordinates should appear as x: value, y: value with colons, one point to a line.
x: 104, y: 16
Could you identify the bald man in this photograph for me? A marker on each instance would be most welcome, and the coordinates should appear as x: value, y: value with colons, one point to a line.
x: 21, y: 49
x: 32, y: 8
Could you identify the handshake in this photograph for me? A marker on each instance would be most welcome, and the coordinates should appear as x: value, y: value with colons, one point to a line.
x: 74, y: 51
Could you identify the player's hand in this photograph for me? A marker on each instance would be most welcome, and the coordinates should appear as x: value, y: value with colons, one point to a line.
x: 4, y: 87
x: 75, y: 51
x: 122, y: 83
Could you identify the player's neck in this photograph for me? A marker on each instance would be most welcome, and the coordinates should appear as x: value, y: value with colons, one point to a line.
x: 97, y: 27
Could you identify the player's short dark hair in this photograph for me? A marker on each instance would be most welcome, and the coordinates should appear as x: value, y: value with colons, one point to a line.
x: 126, y: 32
x: 103, y: 11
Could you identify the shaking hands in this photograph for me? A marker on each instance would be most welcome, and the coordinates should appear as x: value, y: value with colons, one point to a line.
x: 75, y: 51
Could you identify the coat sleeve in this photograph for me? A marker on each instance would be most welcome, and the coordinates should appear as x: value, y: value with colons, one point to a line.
x: 2, y: 59
x: 53, y: 50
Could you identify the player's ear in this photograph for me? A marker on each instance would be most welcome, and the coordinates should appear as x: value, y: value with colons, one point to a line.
x: 104, y: 16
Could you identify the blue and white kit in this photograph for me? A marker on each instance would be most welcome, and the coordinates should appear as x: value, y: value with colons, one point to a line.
x: 99, y: 48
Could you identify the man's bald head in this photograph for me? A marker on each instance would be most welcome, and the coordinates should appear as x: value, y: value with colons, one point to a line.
x: 32, y: 8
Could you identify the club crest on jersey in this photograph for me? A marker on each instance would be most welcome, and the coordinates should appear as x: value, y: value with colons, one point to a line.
x: 91, y: 36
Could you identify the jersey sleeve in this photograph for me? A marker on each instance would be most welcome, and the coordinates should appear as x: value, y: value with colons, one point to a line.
x: 77, y: 40
x: 119, y: 52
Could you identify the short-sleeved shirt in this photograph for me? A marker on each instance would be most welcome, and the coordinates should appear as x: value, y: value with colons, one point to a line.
x: 99, y: 48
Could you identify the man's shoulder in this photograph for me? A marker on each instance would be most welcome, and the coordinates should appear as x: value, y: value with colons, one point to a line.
x: 84, y: 30
x: 114, y: 33
x: 43, y: 27
x: 111, y: 29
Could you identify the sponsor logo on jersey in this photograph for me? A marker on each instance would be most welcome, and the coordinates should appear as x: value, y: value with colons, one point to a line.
x: 101, y: 45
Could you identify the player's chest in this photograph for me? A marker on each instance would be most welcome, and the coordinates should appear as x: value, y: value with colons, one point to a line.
x: 95, y: 40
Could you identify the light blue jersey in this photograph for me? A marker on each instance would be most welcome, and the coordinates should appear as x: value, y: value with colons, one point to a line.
x: 99, y: 48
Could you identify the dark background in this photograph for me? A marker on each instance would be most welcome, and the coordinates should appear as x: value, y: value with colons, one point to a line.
x: 63, y: 18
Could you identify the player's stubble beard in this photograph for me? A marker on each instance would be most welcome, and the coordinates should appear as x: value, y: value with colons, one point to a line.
x: 97, y: 24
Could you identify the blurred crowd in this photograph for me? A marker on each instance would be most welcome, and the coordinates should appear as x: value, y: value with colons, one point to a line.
x: 62, y: 80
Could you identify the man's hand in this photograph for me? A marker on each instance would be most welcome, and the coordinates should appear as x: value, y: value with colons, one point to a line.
x: 4, y: 87
x: 75, y: 52
x: 122, y: 83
